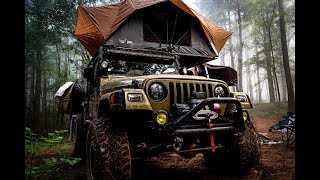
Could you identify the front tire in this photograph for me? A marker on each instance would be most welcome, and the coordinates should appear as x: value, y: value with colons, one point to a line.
x: 243, y: 154
x: 249, y: 145
x: 108, y: 152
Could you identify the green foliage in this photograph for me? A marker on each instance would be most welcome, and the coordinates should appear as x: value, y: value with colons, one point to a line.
x: 51, y: 167
x: 35, y: 144
x: 29, y: 136
x: 43, y: 170
x: 70, y: 161
x: 55, y: 137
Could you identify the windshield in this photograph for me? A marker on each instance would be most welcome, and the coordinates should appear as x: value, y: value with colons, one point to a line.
x: 126, y: 68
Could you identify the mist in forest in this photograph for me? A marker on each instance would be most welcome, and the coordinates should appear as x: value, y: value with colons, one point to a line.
x: 261, y: 42
x: 261, y: 49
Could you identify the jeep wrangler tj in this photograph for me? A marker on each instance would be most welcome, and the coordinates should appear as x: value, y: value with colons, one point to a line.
x: 139, y: 100
x: 131, y: 114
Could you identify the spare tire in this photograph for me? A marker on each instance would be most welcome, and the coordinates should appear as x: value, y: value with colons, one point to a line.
x: 77, y: 97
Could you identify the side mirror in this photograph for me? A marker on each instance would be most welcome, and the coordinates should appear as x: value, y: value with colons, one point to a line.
x: 88, y: 73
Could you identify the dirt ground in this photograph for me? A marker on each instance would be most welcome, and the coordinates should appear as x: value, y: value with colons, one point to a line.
x: 277, y: 162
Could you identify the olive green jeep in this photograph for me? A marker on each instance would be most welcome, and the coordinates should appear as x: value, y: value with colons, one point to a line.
x: 140, y: 98
x: 142, y: 103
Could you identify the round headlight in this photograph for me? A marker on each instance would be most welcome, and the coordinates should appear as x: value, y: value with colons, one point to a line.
x: 157, y: 91
x: 104, y: 64
x: 219, y: 91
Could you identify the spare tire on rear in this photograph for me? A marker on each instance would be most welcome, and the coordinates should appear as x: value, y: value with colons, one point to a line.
x: 69, y: 98
x: 77, y: 97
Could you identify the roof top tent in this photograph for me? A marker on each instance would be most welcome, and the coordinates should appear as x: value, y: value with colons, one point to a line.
x: 150, y: 30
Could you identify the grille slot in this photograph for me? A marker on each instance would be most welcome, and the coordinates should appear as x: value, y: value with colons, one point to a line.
x: 178, y: 85
x: 198, y: 87
x: 180, y: 92
x: 185, y: 93
x: 191, y: 88
x: 171, y: 92
x: 210, y: 90
x: 204, y: 88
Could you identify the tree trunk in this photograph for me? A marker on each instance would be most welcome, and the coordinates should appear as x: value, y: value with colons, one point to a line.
x: 36, y: 124
x: 250, y: 90
x: 273, y: 64
x: 240, y: 88
x: 283, y: 84
x: 26, y: 95
x: 59, y: 80
x: 31, y: 90
x: 66, y: 69
x: 258, y: 81
x: 269, y: 67
x: 257, y: 71
x: 230, y: 46
x: 286, y: 65
x: 58, y: 62
x: 44, y: 101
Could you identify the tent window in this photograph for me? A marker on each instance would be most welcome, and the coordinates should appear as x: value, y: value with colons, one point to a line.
x: 165, y: 23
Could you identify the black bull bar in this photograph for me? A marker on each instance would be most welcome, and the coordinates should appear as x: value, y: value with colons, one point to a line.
x: 173, y: 127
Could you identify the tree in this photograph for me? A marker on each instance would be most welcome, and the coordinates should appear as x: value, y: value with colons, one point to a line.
x: 286, y: 66
x: 269, y: 28
x: 240, y: 51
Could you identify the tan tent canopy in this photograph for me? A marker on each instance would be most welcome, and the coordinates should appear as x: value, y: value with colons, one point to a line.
x: 96, y: 24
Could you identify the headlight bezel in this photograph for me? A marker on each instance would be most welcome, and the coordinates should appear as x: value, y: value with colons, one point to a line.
x: 163, y: 92
x: 220, y: 89
x: 104, y: 64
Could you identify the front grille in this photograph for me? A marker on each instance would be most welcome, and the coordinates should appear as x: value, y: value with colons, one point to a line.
x: 180, y: 92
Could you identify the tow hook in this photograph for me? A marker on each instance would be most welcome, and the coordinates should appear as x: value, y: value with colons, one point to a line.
x: 211, y: 138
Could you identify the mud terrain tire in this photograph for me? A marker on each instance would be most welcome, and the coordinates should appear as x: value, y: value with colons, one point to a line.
x: 79, y: 139
x: 249, y: 147
x: 107, y: 152
x: 223, y: 161
x: 243, y: 154
x: 78, y: 96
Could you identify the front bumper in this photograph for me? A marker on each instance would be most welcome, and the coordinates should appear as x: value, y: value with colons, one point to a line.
x: 173, y: 128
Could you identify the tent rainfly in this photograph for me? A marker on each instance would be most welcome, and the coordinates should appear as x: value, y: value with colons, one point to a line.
x: 150, y: 24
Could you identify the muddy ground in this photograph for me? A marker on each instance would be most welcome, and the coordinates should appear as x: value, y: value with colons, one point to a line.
x: 277, y: 162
